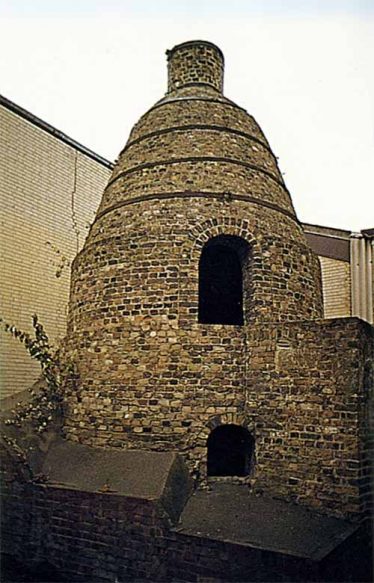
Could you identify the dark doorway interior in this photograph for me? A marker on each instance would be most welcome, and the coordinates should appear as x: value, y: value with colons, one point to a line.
x: 230, y: 451
x: 220, y: 286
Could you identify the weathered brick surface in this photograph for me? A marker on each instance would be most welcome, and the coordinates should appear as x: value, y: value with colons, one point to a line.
x: 169, y: 113
x: 206, y: 146
x: 195, y: 62
x: 194, y: 558
x: 151, y: 375
x: 309, y: 394
x: 86, y: 536
x: 137, y: 326
x: 105, y: 537
x: 197, y: 142
x: 135, y: 286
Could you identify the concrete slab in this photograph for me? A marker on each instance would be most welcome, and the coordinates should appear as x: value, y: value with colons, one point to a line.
x: 138, y: 474
x: 231, y: 513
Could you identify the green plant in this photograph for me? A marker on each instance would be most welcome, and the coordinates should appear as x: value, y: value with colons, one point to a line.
x: 46, y: 402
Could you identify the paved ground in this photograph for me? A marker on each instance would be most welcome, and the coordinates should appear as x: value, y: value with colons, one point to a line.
x: 232, y: 513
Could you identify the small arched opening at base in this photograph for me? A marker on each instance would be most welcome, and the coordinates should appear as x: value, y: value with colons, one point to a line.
x: 230, y: 451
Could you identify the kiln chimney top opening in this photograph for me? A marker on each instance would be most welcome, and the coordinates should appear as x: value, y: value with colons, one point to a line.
x: 195, y: 62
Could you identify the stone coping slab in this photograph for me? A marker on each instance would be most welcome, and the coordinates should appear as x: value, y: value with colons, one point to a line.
x: 231, y: 513
x: 136, y: 474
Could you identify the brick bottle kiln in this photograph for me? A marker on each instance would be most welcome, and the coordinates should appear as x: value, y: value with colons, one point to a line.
x: 195, y: 310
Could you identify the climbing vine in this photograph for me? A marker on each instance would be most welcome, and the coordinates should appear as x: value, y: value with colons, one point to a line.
x: 63, y: 261
x: 46, y: 402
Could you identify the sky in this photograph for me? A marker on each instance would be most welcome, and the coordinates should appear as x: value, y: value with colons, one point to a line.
x: 302, y: 68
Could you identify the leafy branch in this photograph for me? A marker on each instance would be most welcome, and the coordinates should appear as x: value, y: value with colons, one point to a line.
x: 46, y: 402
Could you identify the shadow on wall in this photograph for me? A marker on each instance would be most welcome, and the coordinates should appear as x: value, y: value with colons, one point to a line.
x: 13, y: 571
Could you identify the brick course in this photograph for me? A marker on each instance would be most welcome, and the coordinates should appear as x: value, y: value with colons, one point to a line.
x: 49, y: 194
x: 336, y: 284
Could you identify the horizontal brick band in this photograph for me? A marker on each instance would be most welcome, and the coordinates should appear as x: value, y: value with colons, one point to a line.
x: 220, y: 195
x: 198, y: 84
x: 198, y: 159
x: 223, y: 101
x: 216, y: 128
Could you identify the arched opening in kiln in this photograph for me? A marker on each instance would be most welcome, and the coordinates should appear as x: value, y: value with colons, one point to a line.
x: 230, y: 451
x: 221, y: 280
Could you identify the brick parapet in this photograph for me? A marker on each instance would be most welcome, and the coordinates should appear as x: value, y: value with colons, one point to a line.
x: 309, y: 400
x: 85, y: 536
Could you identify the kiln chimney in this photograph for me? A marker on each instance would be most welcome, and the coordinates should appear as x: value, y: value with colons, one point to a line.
x: 195, y: 63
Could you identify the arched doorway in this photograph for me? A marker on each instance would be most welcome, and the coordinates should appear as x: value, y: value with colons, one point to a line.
x: 221, y: 280
x: 230, y: 451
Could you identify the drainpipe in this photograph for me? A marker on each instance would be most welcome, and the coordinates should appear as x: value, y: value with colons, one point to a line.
x: 369, y: 239
x: 355, y: 289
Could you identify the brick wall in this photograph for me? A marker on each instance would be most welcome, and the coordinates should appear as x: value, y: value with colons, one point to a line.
x: 336, y: 286
x: 102, y: 537
x: 86, y: 536
x: 196, y: 168
x: 310, y: 386
x: 143, y: 357
x: 195, y: 63
x: 49, y: 193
